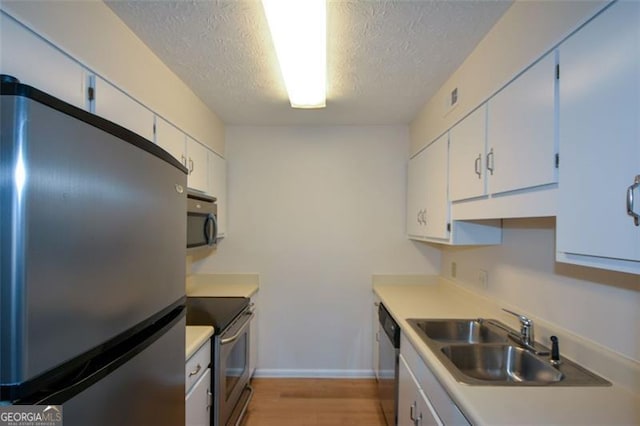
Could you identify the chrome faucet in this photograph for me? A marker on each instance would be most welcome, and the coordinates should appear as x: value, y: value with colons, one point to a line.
x: 526, y: 337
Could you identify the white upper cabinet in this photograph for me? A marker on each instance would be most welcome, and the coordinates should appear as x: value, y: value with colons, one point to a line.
x: 503, y: 155
x: 417, y: 195
x: 521, y: 131
x: 467, y: 145
x: 600, y: 142
x: 114, y: 105
x: 35, y: 62
x: 218, y: 188
x: 427, y: 204
x: 172, y: 140
x: 437, y: 201
x: 197, y: 163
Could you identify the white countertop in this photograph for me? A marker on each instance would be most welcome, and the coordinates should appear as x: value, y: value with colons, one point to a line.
x: 483, y: 405
x: 222, y: 285
x: 196, y: 335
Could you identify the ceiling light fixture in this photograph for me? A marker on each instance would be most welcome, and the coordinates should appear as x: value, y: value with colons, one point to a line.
x: 299, y: 33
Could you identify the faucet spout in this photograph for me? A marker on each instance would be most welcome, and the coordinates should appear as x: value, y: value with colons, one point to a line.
x: 526, y: 328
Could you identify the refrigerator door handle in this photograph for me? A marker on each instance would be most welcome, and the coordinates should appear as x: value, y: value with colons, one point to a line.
x: 81, y: 377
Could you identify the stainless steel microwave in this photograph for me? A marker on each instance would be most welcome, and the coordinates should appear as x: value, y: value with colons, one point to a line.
x: 202, y: 224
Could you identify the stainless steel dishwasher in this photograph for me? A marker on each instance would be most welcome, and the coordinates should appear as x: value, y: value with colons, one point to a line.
x: 389, y: 351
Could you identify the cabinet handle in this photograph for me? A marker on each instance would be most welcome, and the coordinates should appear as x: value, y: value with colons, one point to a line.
x: 490, y: 165
x: 418, y: 420
x: 421, y: 217
x: 183, y: 160
x: 477, y: 166
x: 630, y: 201
x: 196, y: 371
x: 412, y: 412
x: 191, y: 167
x: 209, y: 399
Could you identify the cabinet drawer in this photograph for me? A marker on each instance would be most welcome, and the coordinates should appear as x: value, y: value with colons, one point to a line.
x: 444, y: 406
x: 197, y: 364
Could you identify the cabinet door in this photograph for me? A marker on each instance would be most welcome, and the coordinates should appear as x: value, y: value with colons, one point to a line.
x: 114, y: 105
x: 408, y: 393
x: 467, y: 143
x: 197, y: 165
x: 417, y: 195
x: 600, y: 137
x: 35, y: 62
x: 218, y: 188
x: 376, y: 337
x: 171, y: 139
x: 253, y: 327
x: 521, y: 136
x: 198, y: 401
x: 437, y: 201
x: 414, y: 408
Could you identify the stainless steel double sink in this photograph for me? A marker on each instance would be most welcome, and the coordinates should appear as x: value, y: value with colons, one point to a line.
x: 481, y: 352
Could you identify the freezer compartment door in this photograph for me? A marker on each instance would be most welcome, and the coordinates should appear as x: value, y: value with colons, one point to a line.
x: 147, y: 389
x: 93, y: 236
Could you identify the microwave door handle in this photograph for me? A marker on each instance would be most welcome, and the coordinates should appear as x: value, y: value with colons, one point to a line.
x: 210, y: 230
x: 214, y: 230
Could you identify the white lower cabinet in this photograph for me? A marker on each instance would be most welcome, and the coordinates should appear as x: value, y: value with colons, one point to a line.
x: 419, y: 388
x: 414, y: 408
x: 253, y: 342
x: 376, y: 337
x: 198, y: 401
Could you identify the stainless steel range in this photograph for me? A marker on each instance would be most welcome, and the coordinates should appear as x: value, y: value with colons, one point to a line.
x: 230, y: 317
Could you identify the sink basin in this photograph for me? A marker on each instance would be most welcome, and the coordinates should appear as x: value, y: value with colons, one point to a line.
x: 480, y: 352
x: 501, y: 363
x: 459, y: 331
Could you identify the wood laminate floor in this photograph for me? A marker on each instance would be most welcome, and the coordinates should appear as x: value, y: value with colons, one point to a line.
x: 314, y: 402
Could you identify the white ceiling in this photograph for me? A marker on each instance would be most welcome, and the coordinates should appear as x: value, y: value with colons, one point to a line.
x: 386, y: 58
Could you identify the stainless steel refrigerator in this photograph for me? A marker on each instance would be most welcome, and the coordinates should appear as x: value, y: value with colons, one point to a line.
x: 92, y: 265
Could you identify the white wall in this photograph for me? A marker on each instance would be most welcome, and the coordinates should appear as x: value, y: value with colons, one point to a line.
x: 91, y: 33
x: 524, y: 33
x: 316, y: 211
x: 598, y: 305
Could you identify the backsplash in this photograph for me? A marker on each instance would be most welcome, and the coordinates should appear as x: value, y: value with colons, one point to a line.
x: 522, y: 272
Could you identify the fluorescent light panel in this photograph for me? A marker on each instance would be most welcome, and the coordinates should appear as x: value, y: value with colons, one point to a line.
x: 299, y: 33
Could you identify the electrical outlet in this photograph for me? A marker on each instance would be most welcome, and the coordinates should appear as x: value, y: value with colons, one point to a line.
x: 454, y: 269
x: 483, y: 279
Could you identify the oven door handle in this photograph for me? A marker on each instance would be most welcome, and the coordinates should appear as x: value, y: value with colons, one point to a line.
x: 233, y: 338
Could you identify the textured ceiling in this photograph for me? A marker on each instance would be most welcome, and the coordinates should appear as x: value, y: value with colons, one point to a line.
x: 385, y: 58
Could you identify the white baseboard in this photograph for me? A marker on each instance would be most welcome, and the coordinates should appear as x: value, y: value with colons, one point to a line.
x: 333, y: 374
